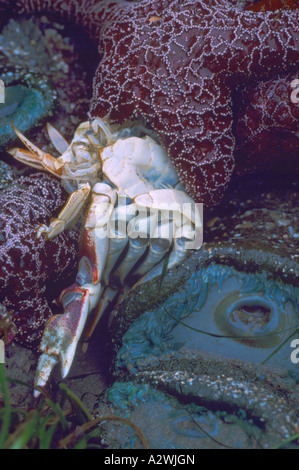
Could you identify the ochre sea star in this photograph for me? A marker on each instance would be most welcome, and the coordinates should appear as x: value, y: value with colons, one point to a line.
x: 266, y: 5
x: 30, y: 265
x: 266, y: 125
x: 176, y: 64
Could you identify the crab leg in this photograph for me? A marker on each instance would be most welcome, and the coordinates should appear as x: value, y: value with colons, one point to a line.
x: 123, y: 214
x: 106, y: 299
x: 146, y: 233
x: 68, y: 215
x: 36, y: 158
x: 137, y: 246
x: 185, y: 225
x: 61, y: 335
x: 62, y: 332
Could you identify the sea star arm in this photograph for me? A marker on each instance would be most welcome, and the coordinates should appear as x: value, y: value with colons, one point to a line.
x: 176, y: 64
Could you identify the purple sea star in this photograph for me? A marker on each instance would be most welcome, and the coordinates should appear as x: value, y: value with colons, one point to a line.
x: 29, y: 266
x: 266, y: 128
x: 176, y: 64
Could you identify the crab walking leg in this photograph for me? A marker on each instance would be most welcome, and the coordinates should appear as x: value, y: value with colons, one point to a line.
x: 154, y: 229
x: 68, y: 215
x: 187, y: 225
x: 141, y: 230
x: 107, y: 297
x: 62, y: 332
x: 136, y: 250
x: 119, y: 240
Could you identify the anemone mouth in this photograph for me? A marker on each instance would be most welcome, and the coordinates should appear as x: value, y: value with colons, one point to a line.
x: 251, y: 320
x: 221, y: 311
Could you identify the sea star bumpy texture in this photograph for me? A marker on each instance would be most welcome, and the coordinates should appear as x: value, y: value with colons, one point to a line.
x: 177, y: 63
x: 266, y: 5
x: 266, y: 125
x: 30, y: 266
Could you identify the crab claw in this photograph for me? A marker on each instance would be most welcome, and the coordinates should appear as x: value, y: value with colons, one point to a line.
x: 45, y: 366
x: 62, y: 334
x: 36, y: 158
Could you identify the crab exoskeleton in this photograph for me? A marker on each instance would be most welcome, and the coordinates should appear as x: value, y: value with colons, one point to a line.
x: 138, y: 214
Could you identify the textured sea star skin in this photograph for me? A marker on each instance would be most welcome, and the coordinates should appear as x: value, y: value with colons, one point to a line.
x: 266, y: 5
x: 176, y: 63
x: 28, y: 264
x: 266, y: 128
x: 194, y: 57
